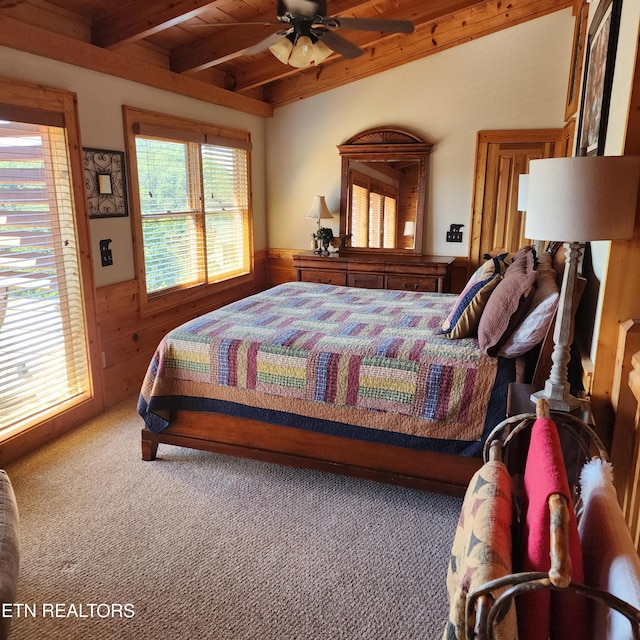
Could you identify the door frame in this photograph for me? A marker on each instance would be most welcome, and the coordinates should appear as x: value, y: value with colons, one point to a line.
x: 551, y: 138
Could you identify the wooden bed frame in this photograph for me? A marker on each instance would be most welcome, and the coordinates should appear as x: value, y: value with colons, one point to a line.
x: 248, y: 438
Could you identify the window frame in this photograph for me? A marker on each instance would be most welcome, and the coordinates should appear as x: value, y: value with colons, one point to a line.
x: 58, y: 107
x: 152, y: 124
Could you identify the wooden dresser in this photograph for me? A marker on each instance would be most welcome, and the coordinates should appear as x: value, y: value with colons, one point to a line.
x: 370, y: 270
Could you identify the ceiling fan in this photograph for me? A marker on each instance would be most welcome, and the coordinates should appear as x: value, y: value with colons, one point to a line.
x: 311, y: 36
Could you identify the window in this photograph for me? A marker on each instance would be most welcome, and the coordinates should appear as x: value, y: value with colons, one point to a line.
x: 193, y: 205
x: 45, y: 364
x: 373, y: 212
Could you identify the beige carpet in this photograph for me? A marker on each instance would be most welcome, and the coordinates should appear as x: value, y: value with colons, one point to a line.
x: 198, y: 545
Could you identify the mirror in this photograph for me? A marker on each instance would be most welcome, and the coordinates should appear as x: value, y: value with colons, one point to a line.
x: 382, y: 196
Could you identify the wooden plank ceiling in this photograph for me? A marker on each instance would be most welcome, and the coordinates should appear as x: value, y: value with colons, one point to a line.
x: 202, y: 40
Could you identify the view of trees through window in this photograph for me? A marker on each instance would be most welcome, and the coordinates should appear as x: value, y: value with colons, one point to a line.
x: 194, y: 206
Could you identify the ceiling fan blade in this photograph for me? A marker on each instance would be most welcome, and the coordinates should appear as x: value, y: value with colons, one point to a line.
x: 265, y: 44
x: 224, y: 25
x: 306, y: 8
x: 371, y: 24
x: 338, y: 43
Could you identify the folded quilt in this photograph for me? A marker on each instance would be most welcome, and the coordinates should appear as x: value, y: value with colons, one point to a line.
x: 482, y: 548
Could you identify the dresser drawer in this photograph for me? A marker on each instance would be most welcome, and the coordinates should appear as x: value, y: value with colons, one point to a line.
x: 324, y: 276
x: 412, y: 283
x: 366, y: 280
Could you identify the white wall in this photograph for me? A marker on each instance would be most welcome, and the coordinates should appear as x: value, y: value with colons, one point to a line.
x: 100, y: 100
x: 516, y: 78
x: 513, y: 79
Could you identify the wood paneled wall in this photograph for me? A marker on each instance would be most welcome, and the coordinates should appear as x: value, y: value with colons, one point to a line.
x: 128, y: 340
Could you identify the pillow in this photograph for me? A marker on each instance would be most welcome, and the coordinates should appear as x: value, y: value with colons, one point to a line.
x: 534, y: 326
x: 508, y: 304
x: 463, y: 318
x: 522, y: 251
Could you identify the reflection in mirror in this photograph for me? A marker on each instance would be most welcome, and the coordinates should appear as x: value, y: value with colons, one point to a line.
x: 383, y: 189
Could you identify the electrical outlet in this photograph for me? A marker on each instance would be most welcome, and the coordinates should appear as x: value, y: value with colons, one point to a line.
x: 454, y: 234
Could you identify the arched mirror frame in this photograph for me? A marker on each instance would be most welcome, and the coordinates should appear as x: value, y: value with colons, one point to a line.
x: 385, y: 144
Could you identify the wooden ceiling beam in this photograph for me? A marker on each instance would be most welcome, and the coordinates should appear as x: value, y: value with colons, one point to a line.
x: 439, y: 35
x: 143, y: 18
x: 42, y: 42
x: 229, y: 43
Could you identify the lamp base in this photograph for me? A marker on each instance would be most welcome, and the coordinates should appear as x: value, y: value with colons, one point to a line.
x: 565, y: 403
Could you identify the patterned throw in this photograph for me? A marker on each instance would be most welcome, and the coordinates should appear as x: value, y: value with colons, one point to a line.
x: 481, y: 549
x: 362, y: 357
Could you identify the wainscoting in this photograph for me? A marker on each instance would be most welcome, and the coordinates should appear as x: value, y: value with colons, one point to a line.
x: 128, y: 340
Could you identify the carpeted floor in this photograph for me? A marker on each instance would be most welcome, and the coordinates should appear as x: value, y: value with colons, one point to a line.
x: 202, y: 546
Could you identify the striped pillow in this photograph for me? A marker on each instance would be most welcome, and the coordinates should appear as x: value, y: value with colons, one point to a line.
x: 464, y: 317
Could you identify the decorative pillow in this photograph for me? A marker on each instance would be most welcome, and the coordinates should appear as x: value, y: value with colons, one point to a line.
x: 481, y: 548
x: 534, y: 326
x: 464, y: 317
x: 522, y: 251
x: 508, y: 304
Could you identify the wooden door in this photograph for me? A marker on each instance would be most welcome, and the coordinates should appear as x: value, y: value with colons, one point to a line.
x: 501, y: 156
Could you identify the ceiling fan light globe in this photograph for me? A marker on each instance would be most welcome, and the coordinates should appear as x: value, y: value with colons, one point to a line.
x: 302, y: 54
x: 320, y: 52
x: 282, y: 50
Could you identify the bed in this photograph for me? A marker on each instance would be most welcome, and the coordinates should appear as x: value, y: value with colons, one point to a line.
x: 355, y: 381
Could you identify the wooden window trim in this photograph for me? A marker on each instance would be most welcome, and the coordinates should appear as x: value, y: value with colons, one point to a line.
x: 143, y: 122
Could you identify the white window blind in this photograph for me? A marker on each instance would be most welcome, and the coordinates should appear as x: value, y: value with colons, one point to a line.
x: 43, y: 349
x: 359, y: 216
x: 194, y: 203
x: 171, y: 224
x: 373, y: 212
x: 226, y: 204
x: 390, y: 223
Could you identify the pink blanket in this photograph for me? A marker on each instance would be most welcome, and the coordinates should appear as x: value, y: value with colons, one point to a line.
x: 548, y: 614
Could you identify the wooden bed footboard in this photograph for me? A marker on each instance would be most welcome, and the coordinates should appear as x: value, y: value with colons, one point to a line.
x: 246, y: 438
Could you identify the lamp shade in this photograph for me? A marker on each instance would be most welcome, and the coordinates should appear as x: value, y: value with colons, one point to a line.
x: 523, y: 191
x: 582, y: 199
x: 302, y: 54
x: 409, y: 228
x: 282, y: 49
x: 319, y: 209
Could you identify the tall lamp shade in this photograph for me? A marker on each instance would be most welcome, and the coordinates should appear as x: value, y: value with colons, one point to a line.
x: 582, y: 199
x: 577, y: 200
x: 319, y: 210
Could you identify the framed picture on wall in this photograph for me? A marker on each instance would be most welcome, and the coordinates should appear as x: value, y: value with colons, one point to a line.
x: 598, y: 78
x: 577, y: 59
x: 105, y: 183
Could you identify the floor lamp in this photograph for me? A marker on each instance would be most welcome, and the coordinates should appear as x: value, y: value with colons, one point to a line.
x: 577, y: 200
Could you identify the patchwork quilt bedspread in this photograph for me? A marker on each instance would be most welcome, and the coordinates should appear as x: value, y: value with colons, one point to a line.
x: 372, y: 359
